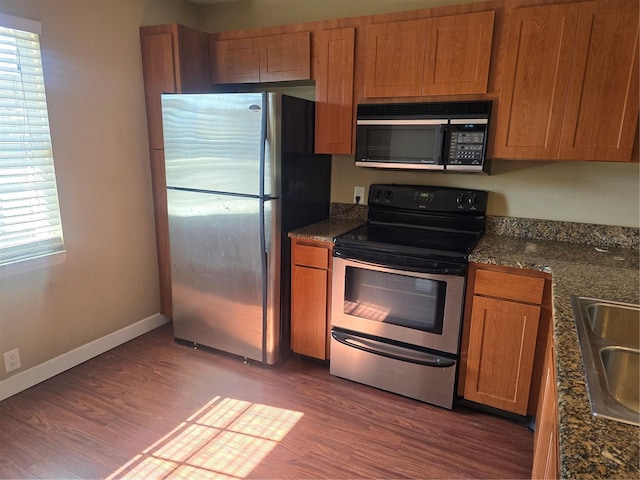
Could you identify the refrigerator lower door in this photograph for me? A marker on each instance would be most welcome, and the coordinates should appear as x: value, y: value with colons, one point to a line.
x: 219, y: 270
x: 272, y: 209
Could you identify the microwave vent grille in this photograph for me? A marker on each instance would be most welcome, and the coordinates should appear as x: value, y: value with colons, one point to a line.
x: 480, y: 109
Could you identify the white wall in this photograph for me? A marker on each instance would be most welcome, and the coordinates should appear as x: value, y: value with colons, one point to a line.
x: 241, y: 14
x: 93, y: 77
x: 584, y: 192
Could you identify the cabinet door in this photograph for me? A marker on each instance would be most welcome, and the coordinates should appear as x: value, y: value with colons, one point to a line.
x: 458, y: 54
x: 285, y: 57
x: 235, y: 61
x: 602, y: 104
x: 193, y: 71
x: 158, y: 68
x: 545, y: 439
x: 309, y: 311
x: 502, y: 344
x: 334, y: 57
x: 394, y: 59
x: 535, y: 71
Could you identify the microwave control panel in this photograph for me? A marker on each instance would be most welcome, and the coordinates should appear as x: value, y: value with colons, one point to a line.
x: 467, y: 144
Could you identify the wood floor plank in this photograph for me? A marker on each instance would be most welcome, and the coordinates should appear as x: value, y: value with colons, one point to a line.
x: 155, y: 409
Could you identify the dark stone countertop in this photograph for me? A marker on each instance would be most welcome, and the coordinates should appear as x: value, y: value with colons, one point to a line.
x: 326, y: 230
x: 590, y: 447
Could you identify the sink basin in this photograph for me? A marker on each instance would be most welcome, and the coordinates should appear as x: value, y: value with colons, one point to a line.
x: 609, y: 335
x: 623, y: 376
x: 617, y: 323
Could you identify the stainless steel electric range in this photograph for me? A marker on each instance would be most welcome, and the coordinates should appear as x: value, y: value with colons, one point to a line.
x: 398, y: 290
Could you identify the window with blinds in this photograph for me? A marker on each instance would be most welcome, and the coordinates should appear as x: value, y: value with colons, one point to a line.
x: 30, y: 225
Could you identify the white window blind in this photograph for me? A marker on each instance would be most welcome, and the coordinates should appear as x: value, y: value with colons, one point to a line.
x: 30, y: 225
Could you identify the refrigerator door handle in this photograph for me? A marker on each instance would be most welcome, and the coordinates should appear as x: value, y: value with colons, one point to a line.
x: 264, y: 134
x: 272, y: 123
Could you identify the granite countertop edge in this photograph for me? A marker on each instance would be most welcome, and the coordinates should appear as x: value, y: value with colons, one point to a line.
x: 589, y: 447
x: 326, y: 230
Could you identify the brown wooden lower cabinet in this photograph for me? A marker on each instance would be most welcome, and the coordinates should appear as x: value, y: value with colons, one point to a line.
x: 310, y: 297
x: 507, y: 318
x: 502, y: 343
x: 545, y: 439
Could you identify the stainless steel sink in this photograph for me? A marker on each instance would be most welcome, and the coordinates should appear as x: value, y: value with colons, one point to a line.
x: 616, y: 322
x: 621, y: 370
x: 609, y: 335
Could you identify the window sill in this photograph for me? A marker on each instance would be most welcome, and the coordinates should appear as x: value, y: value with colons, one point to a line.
x: 37, y: 263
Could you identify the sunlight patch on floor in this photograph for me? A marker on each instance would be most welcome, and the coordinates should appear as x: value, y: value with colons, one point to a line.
x: 225, y: 439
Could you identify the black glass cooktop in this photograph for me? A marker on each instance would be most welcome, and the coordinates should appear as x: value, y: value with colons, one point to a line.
x: 410, y: 240
x: 415, y: 225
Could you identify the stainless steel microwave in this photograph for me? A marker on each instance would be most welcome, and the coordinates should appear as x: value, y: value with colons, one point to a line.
x: 445, y: 136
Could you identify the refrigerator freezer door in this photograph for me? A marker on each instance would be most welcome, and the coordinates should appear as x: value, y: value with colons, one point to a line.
x: 218, y: 269
x: 215, y: 142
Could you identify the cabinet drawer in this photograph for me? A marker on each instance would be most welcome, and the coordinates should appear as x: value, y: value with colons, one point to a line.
x: 508, y: 285
x: 311, y: 256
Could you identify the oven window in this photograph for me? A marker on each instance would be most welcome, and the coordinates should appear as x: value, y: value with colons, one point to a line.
x: 396, y: 299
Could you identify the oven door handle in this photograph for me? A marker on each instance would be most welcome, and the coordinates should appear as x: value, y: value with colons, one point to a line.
x: 392, y: 351
x: 443, y: 270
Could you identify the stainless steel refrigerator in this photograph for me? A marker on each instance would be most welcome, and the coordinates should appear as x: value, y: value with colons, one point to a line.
x: 240, y: 173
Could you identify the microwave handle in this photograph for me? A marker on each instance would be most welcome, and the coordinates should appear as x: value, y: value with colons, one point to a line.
x: 395, y: 352
x: 444, y: 147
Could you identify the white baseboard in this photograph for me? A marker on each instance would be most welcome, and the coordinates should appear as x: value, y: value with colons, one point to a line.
x: 23, y: 380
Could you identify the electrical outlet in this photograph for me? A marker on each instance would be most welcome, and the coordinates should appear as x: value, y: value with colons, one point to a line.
x: 12, y: 360
x: 358, y: 192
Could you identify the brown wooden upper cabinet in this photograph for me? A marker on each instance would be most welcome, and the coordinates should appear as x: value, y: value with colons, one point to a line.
x: 175, y: 59
x: 334, y: 55
x: 570, y: 82
x: 433, y: 56
x: 273, y: 58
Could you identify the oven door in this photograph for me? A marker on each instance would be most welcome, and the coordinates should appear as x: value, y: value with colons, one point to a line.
x: 415, y: 308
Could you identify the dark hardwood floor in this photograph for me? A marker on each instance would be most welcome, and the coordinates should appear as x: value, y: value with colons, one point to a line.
x: 154, y: 409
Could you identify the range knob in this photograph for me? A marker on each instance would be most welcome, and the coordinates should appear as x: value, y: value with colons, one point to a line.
x: 377, y: 193
x: 472, y: 200
x: 388, y: 194
x: 460, y: 199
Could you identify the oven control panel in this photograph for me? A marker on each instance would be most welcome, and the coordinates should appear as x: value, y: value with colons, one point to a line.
x: 428, y: 198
